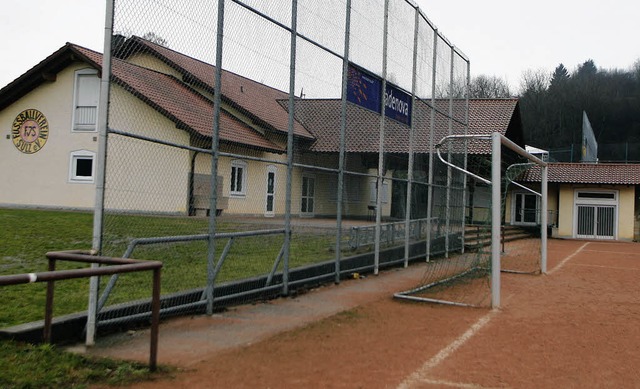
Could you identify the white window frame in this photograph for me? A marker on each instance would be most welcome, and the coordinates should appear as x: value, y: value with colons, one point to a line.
x: 73, y: 167
x: 274, y: 170
x: 514, y: 195
x: 76, y: 84
x: 233, y: 180
x: 303, y: 195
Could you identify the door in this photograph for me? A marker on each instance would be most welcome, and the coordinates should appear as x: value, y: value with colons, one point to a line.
x: 596, y: 214
x: 308, y: 194
x: 596, y: 222
x: 271, y: 191
x: 526, y: 208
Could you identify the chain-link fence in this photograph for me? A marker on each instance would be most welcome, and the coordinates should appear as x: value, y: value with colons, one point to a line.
x: 259, y: 147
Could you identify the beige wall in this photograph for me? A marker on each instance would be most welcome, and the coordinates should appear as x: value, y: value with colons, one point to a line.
x: 626, y: 213
x: 42, y: 178
x: 142, y: 176
x: 253, y: 202
x: 565, y: 211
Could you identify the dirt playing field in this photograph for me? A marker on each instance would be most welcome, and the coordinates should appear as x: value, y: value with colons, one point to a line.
x: 576, y: 327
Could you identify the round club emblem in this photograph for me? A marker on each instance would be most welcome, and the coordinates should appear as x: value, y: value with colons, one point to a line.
x: 30, y: 131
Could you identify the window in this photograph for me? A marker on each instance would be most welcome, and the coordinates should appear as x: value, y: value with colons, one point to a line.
x: 81, y: 166
x: 373, y: 193
x: 525, y: 208
x: 238, y: 178
x: 86, y: 96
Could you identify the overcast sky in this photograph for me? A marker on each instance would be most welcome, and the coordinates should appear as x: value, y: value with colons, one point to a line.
x: 500, y: 37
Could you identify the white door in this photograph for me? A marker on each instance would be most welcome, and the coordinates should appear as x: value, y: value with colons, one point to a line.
x: 308, y: 195
x: 271, y: 191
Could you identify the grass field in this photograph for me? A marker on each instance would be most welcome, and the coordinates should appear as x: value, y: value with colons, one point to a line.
x: 29, y: 234
x: 45, y: 366
x: 26, y: 235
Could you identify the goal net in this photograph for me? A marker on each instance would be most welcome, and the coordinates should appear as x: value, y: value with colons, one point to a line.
x: 504, y: 225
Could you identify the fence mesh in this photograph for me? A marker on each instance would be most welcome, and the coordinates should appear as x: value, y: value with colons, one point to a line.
x: 320, y: 165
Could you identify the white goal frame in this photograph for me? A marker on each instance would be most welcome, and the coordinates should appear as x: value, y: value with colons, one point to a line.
x: 497, y: 141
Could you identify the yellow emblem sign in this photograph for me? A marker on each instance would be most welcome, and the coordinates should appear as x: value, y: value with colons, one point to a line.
x: 30, y: 131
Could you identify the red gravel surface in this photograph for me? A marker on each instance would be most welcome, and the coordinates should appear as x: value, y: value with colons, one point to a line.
x: 576, y: 327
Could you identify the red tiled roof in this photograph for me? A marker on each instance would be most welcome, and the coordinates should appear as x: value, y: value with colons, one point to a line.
x: 322, y: 119
x: 588, y: 173
x: 258, y: 100
x: 179, y: 103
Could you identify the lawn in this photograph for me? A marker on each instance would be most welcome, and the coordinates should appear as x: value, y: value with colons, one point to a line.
x: 26, y: 235
x: 45, y: 366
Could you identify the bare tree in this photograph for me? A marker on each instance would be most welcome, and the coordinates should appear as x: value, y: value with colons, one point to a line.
x: 536, y: 81
x: 489, y: 87
x: 155, y: 38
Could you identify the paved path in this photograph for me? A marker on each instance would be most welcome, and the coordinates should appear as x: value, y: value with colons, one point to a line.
x: 185, y: 341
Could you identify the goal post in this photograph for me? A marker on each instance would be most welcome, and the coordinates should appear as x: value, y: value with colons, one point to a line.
x: 472, y: 276
x: 497, y: 142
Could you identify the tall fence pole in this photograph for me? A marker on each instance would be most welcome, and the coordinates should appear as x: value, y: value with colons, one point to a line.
x: 432, y: 126
x: 447, y: 239
x: 288, y: 196
x: 343, y: 130
x: 466, y: 149
x: 215, y: 137
x: 407, y: 216
x: 381, y: 172
x: 98, y: 215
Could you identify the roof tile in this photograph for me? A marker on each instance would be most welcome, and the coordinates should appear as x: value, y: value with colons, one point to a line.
x: 588, y: 173
x: 180, y: 103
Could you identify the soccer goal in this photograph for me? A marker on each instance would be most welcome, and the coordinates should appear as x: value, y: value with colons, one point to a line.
x: 505, y: 220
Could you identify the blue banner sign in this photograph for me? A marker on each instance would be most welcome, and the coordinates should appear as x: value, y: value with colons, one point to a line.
x: 365, y: 90
x: 397, y: 104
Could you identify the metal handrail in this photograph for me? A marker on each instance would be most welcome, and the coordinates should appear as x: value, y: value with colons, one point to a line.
x: 117, y: 265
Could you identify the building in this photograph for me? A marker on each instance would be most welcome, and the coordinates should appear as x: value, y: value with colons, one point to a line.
x: 50, y: 113
x: 586, y: 200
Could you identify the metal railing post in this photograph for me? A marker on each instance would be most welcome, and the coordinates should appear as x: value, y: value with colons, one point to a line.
x: 155, y: 320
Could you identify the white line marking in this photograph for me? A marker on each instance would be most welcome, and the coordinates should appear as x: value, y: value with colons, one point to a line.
x: 607, y: 267
x: 612, y: 252
x: 455, y: 384
x: 564, y: 261
x: 420, y: 375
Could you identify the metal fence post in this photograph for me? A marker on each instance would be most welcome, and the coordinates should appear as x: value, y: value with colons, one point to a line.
x: 103, y: 118
x: 217, y: 100
x: 289, y: 189
x: 381, y: 170
x: 407, y: 216
x: 432, y: 126
x: 343, y: 130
